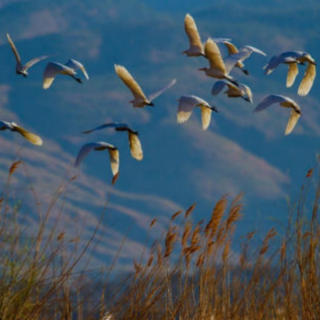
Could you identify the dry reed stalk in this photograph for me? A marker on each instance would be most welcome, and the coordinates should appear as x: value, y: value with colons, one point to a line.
x: 152, y: 223
x: 189, y: 211
x: 169, y: 241
x: 176, y: 215
x: 217, y: 214
x: 186, y: 234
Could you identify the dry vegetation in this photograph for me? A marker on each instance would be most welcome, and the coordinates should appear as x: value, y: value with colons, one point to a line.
x: 192, y: 273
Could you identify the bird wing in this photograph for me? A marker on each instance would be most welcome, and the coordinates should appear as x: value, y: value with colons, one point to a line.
x: 185, y: 108
x: 129, y: 81
x: 33, y: 61
x: 31, y: 137
x: 232, y: 49
x: 218, y: 86
x: 51, y: 70
x: 255, y: 50
x: 294, y: 117
x: 192, y: 32
x: 85, y: 149
x: 231, y: 60
x: 154, y: 95
x: 206, y: 117
x: 135, y: 146
x: 107, y: 125
x: 75, y: 65
x: 4, y: 125
x: 268, y: 101
x: 307, y: 80
x: 247, y: 91
x: 213, y: 54
x: 14, y: 50
x: 114, y: 160
x: 272, y: 64
x: 292, y: 73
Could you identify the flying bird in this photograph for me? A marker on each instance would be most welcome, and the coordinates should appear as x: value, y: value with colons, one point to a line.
x: 134, y: 141
x: 233, y: 91
x: 12, y: 126
x: 220, y: 68
x: 100, y: 146
x: 196, y: 48
x: 232, y: 49
x: 54, y: 68
x: 23, y: 68
x: 292, y: 59
x: 284, y: 102
x: 140, y: 100
x: 186, y: 106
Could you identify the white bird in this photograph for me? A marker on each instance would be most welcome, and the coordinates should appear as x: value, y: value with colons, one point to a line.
x: 284, y: 102
x: 233, y: 91
x: 188, y: 103
x: 133, y: 136
x: 54, y: 68
x: 292, y: 59
x: 140, y: 100
x: 20, y: 68
x: 99, y: 146
x: 232, y: 49
x: 196, y: 48
x: 12, y: 126
x: 220, y: 68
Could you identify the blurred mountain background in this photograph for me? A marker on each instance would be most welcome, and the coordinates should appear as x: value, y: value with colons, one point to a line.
x: 240, y: 152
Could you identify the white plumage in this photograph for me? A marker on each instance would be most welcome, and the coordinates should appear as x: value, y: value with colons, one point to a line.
x: 140, y: 99
x: 284, y: 102
x: 186, y: 106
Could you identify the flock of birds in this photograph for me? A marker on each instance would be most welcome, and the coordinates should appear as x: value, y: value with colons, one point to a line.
x: 219, y: 68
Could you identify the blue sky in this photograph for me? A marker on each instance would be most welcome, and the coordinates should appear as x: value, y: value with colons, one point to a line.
x: 240, y: 152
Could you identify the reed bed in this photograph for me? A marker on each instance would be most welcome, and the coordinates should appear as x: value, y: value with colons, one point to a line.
x: 192, y: 272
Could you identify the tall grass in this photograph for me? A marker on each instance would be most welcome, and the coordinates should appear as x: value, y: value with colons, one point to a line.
x: 193, y: 272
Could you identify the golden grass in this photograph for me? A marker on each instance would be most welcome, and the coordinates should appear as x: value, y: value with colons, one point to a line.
x: 192, y: 273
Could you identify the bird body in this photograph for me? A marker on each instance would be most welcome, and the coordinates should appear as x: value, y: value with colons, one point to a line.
x: 286, y: 103
x: 218, y: 67
x: 232, y: 49
x: 133, y: 137
x: 292, y: 59
x: 186, y: 106
x: 54, y: 68
x: 23, y: 68
x: 233, y: 91
x: 140, y: 99
x: 196, y: 48
x: 100, y: 146
x: 12, y: 126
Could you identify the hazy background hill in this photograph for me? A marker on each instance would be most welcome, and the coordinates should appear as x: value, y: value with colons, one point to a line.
x: 241, y: 151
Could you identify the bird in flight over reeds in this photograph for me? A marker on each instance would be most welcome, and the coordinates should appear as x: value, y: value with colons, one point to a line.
x: 133, y: 137
x: 100, y: 146
x: 12, y: 126
x: 284, y: 102
x: 220, y: 68
x: 23, y: 68
x: 292, y: 59
x: 54, y: 68
x: 196, y: 48
x: 140, y: 99
x: 233, y: 91
x: 186, y: 106
x: 232, y: 49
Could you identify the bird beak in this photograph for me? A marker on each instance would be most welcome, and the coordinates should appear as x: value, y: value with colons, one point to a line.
x: 202, y: 69
x: 314, y: 63
x: 213, y: 108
